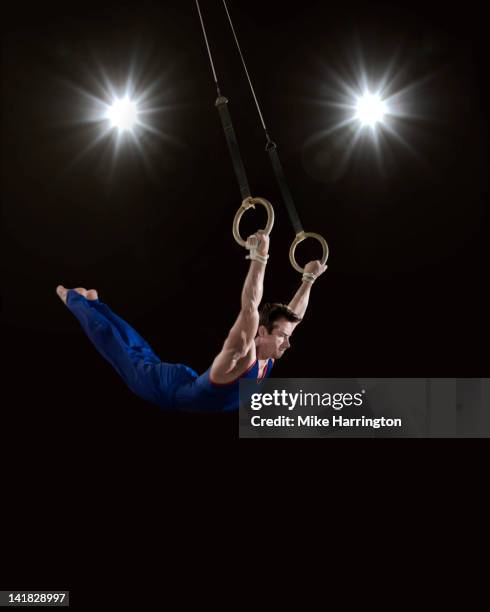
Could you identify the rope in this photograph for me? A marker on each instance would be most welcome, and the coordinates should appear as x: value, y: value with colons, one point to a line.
x: 224, y: 115
x: 207, y: 46
x: 246, y: 72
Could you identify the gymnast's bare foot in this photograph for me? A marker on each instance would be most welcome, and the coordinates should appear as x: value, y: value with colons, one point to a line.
x: 62, y: 292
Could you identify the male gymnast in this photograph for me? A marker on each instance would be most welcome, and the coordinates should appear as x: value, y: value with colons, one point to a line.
x: 257, y: 338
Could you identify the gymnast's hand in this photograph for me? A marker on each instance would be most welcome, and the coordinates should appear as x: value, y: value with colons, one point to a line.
x: 315, y: 267
x: 261, y: 240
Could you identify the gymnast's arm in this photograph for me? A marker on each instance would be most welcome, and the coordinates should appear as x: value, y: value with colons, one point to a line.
x: 241, y: 337
x: 299, y: 303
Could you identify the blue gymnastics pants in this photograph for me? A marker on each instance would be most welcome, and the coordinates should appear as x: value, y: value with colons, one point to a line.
x: 129, y: 354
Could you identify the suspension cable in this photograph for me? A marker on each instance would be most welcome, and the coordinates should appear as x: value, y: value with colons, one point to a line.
x: 246, y: 72
x: 207, y: 46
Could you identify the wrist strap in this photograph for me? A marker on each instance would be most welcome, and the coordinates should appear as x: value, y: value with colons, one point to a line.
x: 253, y: 255
x: 308, y: 277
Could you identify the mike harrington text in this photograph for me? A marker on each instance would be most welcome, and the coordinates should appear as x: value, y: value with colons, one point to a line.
x: 315, y: 421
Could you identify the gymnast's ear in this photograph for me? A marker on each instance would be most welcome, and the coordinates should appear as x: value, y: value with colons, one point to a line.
x: 262, y: 331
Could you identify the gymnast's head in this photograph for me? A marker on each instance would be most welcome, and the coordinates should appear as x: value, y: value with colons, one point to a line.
x: 276, y: 324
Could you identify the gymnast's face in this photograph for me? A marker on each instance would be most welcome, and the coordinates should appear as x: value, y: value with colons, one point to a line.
x: 276, y: 343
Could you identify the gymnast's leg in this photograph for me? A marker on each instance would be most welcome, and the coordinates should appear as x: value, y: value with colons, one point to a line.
x: 138, y: 347
x: 127, y: 352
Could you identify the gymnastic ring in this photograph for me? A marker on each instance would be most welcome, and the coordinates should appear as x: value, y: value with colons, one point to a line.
x: 300, y: 236
x: 250, y: 203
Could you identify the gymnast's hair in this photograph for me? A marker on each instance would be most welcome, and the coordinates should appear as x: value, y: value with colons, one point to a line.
x: 269, y: 313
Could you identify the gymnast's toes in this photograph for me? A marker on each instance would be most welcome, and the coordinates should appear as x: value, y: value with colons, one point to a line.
x: 62, y: 292
x: 89, y: 295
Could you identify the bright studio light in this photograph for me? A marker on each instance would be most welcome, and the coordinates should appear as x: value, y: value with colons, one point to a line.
x: 366, y: 111
x: 123, y: 114
x: 370, y: 109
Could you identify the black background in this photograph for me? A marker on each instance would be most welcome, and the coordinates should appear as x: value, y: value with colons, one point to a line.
x: 405, y: 292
